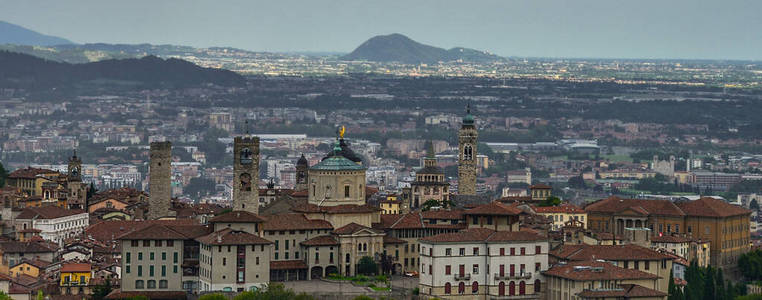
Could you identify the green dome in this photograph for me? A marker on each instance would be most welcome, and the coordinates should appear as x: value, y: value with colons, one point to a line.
x: 337, y: 163
x: 468, y: 119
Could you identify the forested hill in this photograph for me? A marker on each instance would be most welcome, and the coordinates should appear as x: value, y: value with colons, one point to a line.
x: 25, y: 71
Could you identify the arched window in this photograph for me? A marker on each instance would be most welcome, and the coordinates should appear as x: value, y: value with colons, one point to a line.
x: 501, y: 289
x: 364, y: 247
x: 537, y: 286
x: 522, y: 288
x: 152, y: 284
x: 347, y: 259
x: 512, y: 288
x: 475, y: 287
x: 359, y: 246
x: 461, y: 288
x: 448, y: 288
x: 139, y: 284
x: 468, y: 152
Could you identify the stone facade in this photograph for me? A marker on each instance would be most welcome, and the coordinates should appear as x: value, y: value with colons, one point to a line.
x: 246, y: 174
x: 76, y: 190
x: 160, y: 171
x: 664, y: 167
x: 467, y: 142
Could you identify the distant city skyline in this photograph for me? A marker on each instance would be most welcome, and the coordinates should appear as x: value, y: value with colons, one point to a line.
x: 650, y: 29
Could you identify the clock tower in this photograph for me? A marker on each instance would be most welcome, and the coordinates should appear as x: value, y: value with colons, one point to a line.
x: 76, y: 194
x: 246, y: 173
x: 467, y: 141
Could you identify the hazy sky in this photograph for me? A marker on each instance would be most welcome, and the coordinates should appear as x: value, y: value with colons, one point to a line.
x: 715, y: 29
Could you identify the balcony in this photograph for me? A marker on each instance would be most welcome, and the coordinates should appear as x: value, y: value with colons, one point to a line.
x: 521, y: 275
x: 462, y: 277
x: 74, y: 283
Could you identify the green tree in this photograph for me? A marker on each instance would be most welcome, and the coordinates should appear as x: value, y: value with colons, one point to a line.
x: 695, y: 278
x: 550, y: 201
x: 3, y: 175
x: 213, y: 296
x: 273, y: 291
x: 434, y: 203
x: 102, y: 290
x: 363, y: 297
x: 4, y: 296
x: 674, y: 291
x: 367, y: 266
x: 710, y: 287
x: 91, y: 191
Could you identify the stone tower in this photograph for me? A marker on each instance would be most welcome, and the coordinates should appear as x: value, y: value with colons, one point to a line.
x: 160, y: 184
x: 76, y: 193
x: 246, y: 174
x: 467, y: 140
x: 301, y: 174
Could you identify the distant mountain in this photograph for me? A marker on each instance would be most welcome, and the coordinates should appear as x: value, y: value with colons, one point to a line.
x: 22, y: 70
x: 399, y: 48
x: 17, y: 35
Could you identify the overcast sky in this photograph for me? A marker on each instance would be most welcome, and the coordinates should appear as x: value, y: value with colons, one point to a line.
x: 713, y: 29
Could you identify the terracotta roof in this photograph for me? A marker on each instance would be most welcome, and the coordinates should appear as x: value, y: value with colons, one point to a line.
x: 293, y: 222
x: 110, y: 230
x: 337, y: 209
x: 606, y: 252
x: 34, y: 262
x: 669, y: 239
x: 563, y: 208
x: 443, y: 214
x: 229, y: 236
x: 287, y: 265
x: 26, y: 247
x: 47, y: 212
x: 540, y: 186
x: 124, y: 194
x: 627, y: 291
x: 166, y: 232
x: 615, y: 204
x: 493, y: 208
x: 594, y: 270
x: 118, y: 294
x: 352, y: 228
x: 389, y: 240
x: 30, y: 173
x: 323, y: 240
x: 75, y: 267
x: 237, y: 216
x: 711, y: 207
x: 484, y: 235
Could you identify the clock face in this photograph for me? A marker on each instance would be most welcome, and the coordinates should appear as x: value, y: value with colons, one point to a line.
x: 74, y: 172
x: 246, y: 156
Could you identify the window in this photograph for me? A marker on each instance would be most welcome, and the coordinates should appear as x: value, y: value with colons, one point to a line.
x: 475, y: 220
x: 127, y: 269
x: 170, y: 243
x: 448, y: 251
x: 537, y: 267
x: 523, y: 250
x: 448, y: 288
x: 163, y: 271
x: 162, y: 284
x: 475, y: 287
x: 158, y: 243
x: 462, y: 251
x: 146, y: 243
x: 150, y: 273
x: 133, y: 243
x: 513, y: 251
x: 164, y: 256
x: 139, y: 284
x: 127, y: 258
x: 476, y: 250
x: 502, y: 251
x: 224, y: 261
x: 152, y: 284
x: 140, y: 255
x: 346, y: 191
x: 646, y: 265
x: 174, y: 258
x: 151, y: 256
x: 637, y: 265
x: 461, y: 288
x: 677, y: 228
x: 690, y: 230
x: 447, y: 270
x: 537, y: 249
x: 626, y: 264
x: 489, y: 220
x: 174, y: 269
x: 475, y: 269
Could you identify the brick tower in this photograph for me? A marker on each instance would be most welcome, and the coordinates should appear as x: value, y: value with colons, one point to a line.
x: 76, y: 193
x: 246, y: 174
x: 160, y: 184
x: 467, y: 141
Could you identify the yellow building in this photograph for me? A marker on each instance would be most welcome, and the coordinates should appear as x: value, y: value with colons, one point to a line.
x: 75, y: 278
x: 31, y: 268
x: 390, y: 206
x: 540, y: 191
x: 563, y: 213
x: 30, y: 180
x: 635, y: 174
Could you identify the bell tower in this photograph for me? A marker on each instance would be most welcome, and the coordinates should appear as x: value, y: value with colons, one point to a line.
x: 467, y: 141
x: 76, y: 194
x: 160, y: 181
x: 301, y: 174
x: 246, y: 173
